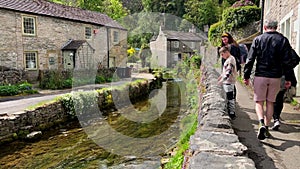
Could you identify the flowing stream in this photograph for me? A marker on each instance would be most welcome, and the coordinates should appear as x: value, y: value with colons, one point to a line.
x: 136, y: 136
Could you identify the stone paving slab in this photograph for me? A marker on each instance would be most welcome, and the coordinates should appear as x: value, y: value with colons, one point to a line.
x: 205, y: 160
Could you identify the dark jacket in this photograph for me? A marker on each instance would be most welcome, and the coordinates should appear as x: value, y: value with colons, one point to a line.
x: 271, y: 50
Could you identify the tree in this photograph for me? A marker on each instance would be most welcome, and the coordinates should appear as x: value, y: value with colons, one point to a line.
x: 202, y: 13
x: 112, y: 8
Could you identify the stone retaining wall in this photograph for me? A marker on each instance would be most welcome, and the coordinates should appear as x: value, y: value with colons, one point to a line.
x: 19, y: 124
x: 214, y: 144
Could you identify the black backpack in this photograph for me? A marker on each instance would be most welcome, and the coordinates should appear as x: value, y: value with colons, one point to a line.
x: 295, y: 58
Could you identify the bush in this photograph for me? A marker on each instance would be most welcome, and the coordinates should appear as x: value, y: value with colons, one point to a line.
x: 9, y: 90
x: 239, y: 17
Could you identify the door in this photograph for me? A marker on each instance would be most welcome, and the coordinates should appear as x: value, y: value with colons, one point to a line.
x: 69, y: 59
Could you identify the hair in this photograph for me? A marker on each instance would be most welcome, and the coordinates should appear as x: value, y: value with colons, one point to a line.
x: 230, y: 39
x: 271, y: 24
x: 224, y: 49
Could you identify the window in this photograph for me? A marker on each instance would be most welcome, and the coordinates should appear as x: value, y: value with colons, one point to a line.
x: 28, y: 25
x: 115, y: 37
x: 175, y: 44
x: 88, y: 33
x: 30, y: 60
x: 285, y: 25
x: 267, y: 6
x: 287, y: 28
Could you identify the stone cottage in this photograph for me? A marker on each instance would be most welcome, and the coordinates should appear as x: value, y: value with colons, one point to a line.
x: 287, y: 13
x: 169, y: 47
x: 40, y: 35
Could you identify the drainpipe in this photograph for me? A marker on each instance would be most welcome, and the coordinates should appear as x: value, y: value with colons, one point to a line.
x: 262, y: 16
x: 107, y: 41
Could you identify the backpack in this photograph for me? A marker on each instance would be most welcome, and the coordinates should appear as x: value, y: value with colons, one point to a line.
x: 295, y: 58
x: 243, y: 53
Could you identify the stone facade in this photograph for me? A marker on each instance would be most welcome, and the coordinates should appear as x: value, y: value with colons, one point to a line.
x: 287, y: 13
x: 169, y: 47
x: 52, y: 33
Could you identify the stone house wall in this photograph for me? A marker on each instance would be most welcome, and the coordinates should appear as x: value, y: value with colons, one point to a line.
x: 51, y: 34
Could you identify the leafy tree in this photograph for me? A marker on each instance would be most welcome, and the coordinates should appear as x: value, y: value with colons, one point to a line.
x: 202, y: 13
x: 112, y: 8
x: 174, y: 7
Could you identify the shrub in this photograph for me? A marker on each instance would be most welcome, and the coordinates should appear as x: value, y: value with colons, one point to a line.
x: 240, y: 16
x: 9, y: 90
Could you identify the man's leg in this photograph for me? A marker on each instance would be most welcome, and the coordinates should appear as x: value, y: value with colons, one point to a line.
x: 260, y: 114
x: 259, y: 108
x: 269, y: 112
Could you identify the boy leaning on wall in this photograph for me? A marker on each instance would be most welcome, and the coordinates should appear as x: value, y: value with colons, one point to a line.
x: 228, y: 79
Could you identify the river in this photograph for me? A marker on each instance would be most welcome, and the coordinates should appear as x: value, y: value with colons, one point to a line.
x: 135, y: 136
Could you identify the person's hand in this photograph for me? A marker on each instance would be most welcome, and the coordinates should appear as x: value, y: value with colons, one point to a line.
x: 246, y: 81
x: 287, y: 84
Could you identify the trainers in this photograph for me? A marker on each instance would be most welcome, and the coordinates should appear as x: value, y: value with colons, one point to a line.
x: 268, y: 134
x: 261, y: 132
x: 276, y: 125
x: 232, y: 115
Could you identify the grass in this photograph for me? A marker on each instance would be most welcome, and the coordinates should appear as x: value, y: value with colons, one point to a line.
x: 176, y: 161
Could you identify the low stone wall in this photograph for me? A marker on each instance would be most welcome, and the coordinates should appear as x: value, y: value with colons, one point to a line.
x: 214, y: 144
x: 11, y: 76
x: 20, y: 124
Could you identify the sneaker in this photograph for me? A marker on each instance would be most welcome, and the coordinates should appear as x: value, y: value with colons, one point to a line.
x: 261, y: 132
x: 232, y: 115
x: 268, y: 134
x: 276, y: 125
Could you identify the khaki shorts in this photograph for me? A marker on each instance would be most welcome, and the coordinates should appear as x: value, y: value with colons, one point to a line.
x: 266, y: 89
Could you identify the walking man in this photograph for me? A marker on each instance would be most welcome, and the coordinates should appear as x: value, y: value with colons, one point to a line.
x: 271, y: 50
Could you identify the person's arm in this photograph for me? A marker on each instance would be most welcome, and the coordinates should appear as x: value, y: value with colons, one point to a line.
x: 250, y: 61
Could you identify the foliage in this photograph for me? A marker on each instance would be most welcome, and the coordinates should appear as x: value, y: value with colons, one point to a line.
x: 11, y: 90
x: 215, y: 32
x: 174, y: 7
x: 201, y: 13
x: 233, y: 18
x: 240, y: 16
x: 243, y: 3
x: 112, y: 8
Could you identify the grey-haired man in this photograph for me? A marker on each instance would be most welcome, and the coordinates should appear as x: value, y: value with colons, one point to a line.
x: 271, y: 50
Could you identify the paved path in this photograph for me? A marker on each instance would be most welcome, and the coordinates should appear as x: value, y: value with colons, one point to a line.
x: 282, y: 151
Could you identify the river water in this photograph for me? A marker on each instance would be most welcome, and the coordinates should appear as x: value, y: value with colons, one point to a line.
x: 135, y: 136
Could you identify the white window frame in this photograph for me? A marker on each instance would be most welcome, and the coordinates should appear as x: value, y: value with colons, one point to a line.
x: 267, y: 5
x: 88, y: 32
x: 32, y: 24
x: 31, y: 56
x: 286, y: 25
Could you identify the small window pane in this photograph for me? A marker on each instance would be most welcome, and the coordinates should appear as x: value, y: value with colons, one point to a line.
x: 88, y: 32
x: 29, y: 25
x: 116, y: 37
x: 30, y: 60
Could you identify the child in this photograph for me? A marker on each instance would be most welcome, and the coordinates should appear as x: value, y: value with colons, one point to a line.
x: 228, y: 79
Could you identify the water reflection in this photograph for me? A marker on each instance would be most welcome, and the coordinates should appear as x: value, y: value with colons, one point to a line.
x: 107, y: 140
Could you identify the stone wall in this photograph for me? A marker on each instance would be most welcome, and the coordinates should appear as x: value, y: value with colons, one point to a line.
x: 11, y: 76
x: 214, y: 144
x: 19, y: 124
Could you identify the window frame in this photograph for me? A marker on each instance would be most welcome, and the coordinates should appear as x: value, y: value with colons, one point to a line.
x: 33, y: 27
x: 35, y: 59
x: 286, y: 25
x: 116, y: 38
x: 88, y: 32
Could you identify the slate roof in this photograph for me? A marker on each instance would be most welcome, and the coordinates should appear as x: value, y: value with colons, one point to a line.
x: 182, y: 36
x: 42, y: 7
x: 74, y: 44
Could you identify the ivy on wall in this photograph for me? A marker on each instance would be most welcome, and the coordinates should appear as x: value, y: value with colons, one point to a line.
x: 233, y: 18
